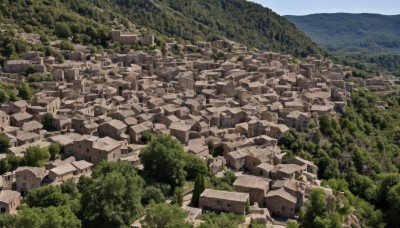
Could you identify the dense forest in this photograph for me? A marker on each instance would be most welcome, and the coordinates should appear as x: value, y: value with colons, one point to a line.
x: 368, y: 42
x: 90, y: 21
x: 358, y: 152
x: 370, y: 62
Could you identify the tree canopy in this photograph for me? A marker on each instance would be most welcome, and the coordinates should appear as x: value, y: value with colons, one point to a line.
x: 112, y: 198
x: 165, y: 160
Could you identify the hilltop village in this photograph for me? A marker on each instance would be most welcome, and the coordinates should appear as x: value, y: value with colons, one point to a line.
x: 205, y: 94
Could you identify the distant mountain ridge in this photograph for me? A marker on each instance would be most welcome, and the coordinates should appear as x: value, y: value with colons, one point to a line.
x: 352, y: 32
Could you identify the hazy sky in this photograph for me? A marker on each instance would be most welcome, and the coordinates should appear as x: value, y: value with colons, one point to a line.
x: 304, y: 7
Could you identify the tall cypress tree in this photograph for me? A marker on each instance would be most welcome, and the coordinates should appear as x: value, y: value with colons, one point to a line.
x: 199, y: 186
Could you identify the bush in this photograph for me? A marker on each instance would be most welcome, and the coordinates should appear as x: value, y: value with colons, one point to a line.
x: 154, y: 194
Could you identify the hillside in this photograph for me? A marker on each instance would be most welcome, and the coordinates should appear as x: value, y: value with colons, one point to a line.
x: 89, y: 21
x: 352, y: 32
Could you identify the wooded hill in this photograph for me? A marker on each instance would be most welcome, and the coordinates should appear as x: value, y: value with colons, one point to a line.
x: 352, y: 32
x: 89, y: 21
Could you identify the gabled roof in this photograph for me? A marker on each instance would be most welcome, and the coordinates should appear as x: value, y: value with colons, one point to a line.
x: 38, y: 172
x: 178, y: 126
x: 82, y: 164
x: 7, y: 196
x: 64, y: 169
x: 254, y: 182
x: 225, y: 195
x: 282, y: 194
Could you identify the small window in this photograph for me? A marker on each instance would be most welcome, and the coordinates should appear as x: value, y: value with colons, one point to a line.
x: 87, y: 150
x: 25, y: 177
x: 283, y: 208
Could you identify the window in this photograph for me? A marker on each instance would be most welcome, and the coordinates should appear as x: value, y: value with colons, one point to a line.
x: 24, y: 177
x: 2, y: 210
x: 283, y: 208
x: 87, y: 150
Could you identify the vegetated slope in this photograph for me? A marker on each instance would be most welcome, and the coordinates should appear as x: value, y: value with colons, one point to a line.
x: 352, y: 32
x: 192, y: 20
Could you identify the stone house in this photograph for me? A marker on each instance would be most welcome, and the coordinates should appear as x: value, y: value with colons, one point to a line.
x: 181, y: 131
x: 286, y: 171
x: 237, y: 159
x: 20, y: 118
x: 61, y: 122
x: 115, y: 129
x: 135, y: 132
x: 217, y: 164
x: 227, y: 88
x: 311, y: 167
x: 231, y: 117
x: 4, y: 119
x: 94, y: 149
x: 298, y: 120
x: 69, y: 170
x: 280, y: 203
x: 28, y: 178
x: 16, y: 66
x: 263, y: 170
x: 257, y: 156
x: 24, y: 137
x: 224, y: 201
x: 32, y: 126
x: 51, y: 104
x: 82, y: 167
x: 62, y: 173
x: 257, y: 187
x: 9, y: 201
x: 276, y: 130
x: 7, y: 179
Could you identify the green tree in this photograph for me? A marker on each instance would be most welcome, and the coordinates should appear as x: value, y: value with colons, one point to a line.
x: 54, y: 150
x: 177, y: 197
x: 60, y: 59
x: 44, y: 39
x: 66, y: 45
x: 154, y: 194
x: 194, y: 166
x: 164, y: 160
x: 292, y: 224
x: 199, y: 187
x: 394, y: 211
x: 24, y: 91
x: 4, y: 97
x: 46, y: 196
x: 48, y: 120
x: 36, y: 156
x: 146, y: 137
x: 164, y: 216
x: 31, y: 69
x: 63, y: 30
x: 230, y: 220
x: 12, y: 95
x: 9, y: 50
x: 57, y: 217
x: 4, y: 142
x: 315, y: 207
x: 112, y: 197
